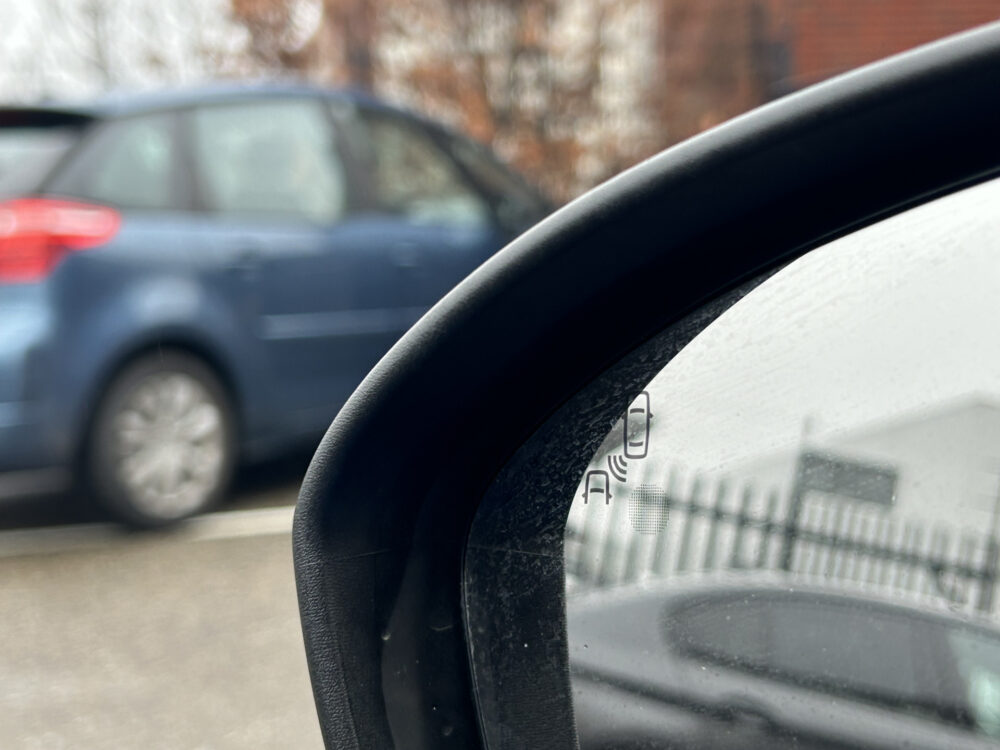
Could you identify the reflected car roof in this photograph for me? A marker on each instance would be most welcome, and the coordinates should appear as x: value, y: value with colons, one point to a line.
x: 695, y: 585
x: 121, y: 104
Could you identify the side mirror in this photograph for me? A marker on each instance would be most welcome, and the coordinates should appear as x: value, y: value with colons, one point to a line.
x: 429, y: 532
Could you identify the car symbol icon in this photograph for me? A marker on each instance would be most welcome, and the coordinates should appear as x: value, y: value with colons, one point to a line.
x: 636, y: 430
x: 597, y: 483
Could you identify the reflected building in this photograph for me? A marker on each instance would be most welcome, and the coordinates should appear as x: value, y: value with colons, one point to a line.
x: 946, y: 461
x: 905, y: 505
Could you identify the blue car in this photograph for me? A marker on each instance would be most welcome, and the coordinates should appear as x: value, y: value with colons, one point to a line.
x: 193, y: 280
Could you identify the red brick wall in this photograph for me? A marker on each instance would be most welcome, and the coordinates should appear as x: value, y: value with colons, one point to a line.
x: 826, y: 37
x: 718, y: 58
x: 708, y: 70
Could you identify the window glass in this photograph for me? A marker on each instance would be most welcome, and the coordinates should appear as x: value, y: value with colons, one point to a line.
x: 518, y: 205
x: 27, y: 154
x: 806, y: 641
x: 130, y: 164
x: 808, y: 492
x: 712, y: 628
x: 977, y: 657
x: 412, y: 177
x: 843, y: 649
x: 270, y: 158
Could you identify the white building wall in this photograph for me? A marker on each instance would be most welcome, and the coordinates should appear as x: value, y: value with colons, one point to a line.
x: 948, y: 463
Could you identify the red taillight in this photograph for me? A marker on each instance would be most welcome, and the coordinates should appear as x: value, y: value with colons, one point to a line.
x: 35, y: 233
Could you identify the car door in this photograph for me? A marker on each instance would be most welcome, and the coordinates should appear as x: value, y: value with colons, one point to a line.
x: 114, y: 298
x: 322, y: 288
x: 438, y: 224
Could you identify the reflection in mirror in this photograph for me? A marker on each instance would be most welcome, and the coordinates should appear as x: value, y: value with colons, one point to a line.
x: 791, y: 536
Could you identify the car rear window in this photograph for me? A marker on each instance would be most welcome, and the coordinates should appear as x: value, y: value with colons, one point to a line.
x: 129, y: 163
x: 28, y: 153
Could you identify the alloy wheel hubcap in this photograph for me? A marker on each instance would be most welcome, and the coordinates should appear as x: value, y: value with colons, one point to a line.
x: 170, y: 445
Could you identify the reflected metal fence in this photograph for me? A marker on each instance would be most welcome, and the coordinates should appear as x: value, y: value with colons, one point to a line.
x: 661, y: 532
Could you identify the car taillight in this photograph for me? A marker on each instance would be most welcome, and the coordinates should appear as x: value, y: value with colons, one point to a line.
x: 35, y: 234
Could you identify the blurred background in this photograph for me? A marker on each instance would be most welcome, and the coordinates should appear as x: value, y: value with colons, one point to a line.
x: 568, y: 92
x: 470, y: 120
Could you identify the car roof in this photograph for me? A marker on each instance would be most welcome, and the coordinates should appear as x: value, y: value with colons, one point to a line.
x: 125, y: 103
x: 675, y: 591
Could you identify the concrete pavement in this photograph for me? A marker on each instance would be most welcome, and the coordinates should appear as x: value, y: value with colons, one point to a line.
x: 188, y: 639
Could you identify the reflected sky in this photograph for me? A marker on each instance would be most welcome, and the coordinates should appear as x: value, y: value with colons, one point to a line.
x: 892, y: 320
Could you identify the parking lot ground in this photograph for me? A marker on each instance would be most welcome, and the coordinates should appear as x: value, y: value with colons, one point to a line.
x: 174, y: 640
x: 263, y: 485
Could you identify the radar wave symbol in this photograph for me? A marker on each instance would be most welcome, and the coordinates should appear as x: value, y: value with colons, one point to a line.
x: 619, y: 467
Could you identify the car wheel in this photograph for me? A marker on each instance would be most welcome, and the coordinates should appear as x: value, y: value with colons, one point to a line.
x: 163, y: 442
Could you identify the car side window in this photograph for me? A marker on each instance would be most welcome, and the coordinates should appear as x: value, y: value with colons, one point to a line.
x: 129, y: 163
x: 812, y: 643
x: 272, y: 159
x: 737, y: 638
x: 412, y: 177
x: 517, y: 205
x: 977, y: 659
x: 808, y: 491
x: 844, y: 648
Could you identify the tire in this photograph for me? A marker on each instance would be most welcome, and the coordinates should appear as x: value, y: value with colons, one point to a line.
x: 162, y: 445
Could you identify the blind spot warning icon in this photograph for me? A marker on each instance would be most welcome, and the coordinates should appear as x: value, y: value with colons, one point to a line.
x: 635, y: 440
x: 597, y: 485
x: 618, y: 467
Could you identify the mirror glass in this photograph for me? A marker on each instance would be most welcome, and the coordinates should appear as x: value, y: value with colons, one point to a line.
x: 790, y: 538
